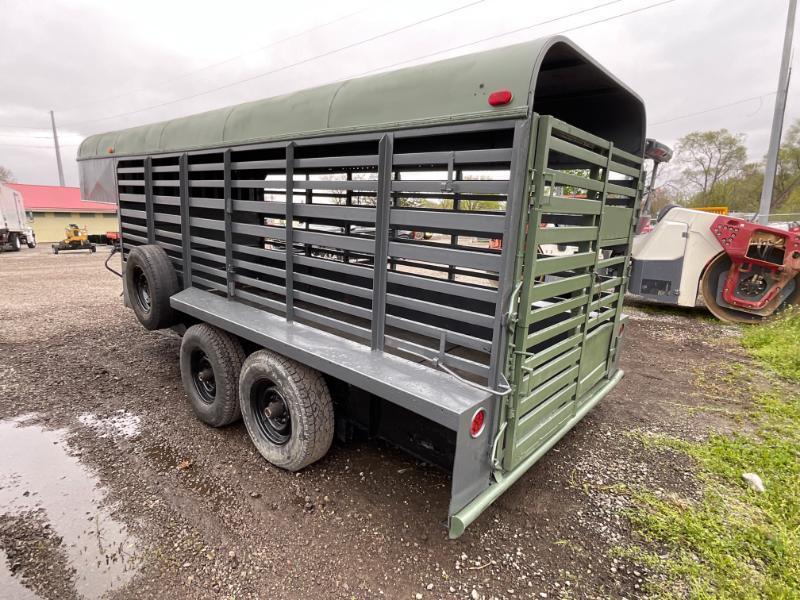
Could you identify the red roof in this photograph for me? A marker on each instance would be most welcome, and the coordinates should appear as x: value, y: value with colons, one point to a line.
x: 57, y: 199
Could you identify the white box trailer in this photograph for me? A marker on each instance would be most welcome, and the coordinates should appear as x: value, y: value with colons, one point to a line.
x: 14, y: 229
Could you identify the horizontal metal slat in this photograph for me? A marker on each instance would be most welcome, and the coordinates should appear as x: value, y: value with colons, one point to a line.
x: 258, y: 268
x: 206, y: 269
x: 617, y: 167
x: 129, y: 212
x: 366, y: 185
x: 200, y: 167
x: 443, y: 286
x: 217, y: 203
x: 570, y: 206
x: 561, y: 178
x: 549, y: 289
x: 132, y: 227
x: 337, y: 286
x: 132, y: 198
x: 264, y: 231
x: 337, y: 161
x: 551, y: 352
x: 566, y: 235
x: 130, y: 170
x: 552, y: 331
x: 575, y: 151
x: 259, y: 184
x: 453, y: 337
x: 448, y: 256
x: 196, y: 239
x: 206, y: 183
x: 451, y: 220
x: 353, y: 214
x: 208, y: 283
x: 459, y: 186
x: 545, y: 312
x: 440, y: 310
x: 218, y: 258
x: 334, y: 241
x: 135, y: 238
x: 213, y: 224
x: 241, y: 165
x: 166, y: 218
x: 167, y: 200
x: 168, y: 234
x: 540, y: 423
x: 621, y: 190
x: 550, y: 386
x: 261, y: 207
x: 492, y: 155
x: 275, y: 305
x: 558, y: 264
x: 551, y: 368
x: 343, y: 307
x: 261, y: 285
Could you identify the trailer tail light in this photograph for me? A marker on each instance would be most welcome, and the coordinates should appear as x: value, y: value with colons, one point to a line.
x: 478, y: 423
x: 500, y: 97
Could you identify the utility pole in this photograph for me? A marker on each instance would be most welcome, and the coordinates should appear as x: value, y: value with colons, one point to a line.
x: 58, y: 150
x: 777, y: 119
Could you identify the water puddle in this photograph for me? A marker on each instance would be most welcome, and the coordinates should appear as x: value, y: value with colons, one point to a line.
x: 39, y: 476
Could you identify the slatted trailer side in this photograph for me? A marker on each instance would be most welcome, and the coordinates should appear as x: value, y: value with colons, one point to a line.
x: 395, y: 265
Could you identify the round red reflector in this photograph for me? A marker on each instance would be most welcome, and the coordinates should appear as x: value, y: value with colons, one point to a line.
x: 500, y: 97
x: 478, y: 423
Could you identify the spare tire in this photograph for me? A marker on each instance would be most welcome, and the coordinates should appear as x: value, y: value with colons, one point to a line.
x: 150, y: 281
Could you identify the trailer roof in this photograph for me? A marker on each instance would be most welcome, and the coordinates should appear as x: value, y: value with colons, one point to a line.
x: 547, y: 75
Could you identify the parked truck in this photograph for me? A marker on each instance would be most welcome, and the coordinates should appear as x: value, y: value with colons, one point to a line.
x: 14, y: 229
x: 270, y: 234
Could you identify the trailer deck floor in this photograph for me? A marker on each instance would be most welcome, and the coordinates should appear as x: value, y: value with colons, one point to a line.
x: 212, y: 519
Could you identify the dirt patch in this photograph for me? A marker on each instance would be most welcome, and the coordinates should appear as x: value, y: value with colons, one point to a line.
x: 215, y: 520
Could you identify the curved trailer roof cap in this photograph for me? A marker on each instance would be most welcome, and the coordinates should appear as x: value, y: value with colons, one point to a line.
x: 548, y: 75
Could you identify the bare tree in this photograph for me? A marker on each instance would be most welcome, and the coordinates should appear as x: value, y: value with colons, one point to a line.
x: 6, y: 174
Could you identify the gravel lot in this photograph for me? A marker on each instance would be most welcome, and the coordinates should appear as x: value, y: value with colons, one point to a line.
x: 109, y: 485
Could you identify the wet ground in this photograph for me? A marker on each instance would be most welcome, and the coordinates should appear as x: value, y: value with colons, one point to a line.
x: 109, y: 487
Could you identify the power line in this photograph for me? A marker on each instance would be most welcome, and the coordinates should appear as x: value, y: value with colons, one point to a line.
x: 219, y: 63
x: 491, y: 37
x: 284, y: 67
x: 712, y: 109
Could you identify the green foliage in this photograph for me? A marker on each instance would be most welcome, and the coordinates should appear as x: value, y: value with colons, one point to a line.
x: 733, y: 542
x: 776, y: 344
x: 715, y: 172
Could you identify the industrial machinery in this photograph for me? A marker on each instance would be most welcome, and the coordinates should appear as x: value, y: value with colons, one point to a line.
x: 14, y: 228
x: 743, y: 271
x: 76, y: 239
x: 275, y: 235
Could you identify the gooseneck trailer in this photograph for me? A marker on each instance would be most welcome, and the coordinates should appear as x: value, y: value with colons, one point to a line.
x: 276, y: 233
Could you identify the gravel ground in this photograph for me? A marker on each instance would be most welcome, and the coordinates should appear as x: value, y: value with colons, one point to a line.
x: 180, y: 510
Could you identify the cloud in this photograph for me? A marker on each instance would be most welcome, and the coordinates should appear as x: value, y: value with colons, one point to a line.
x: 91, y: 59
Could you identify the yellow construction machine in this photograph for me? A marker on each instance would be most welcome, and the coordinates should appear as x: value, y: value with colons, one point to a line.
x: 76, y: 239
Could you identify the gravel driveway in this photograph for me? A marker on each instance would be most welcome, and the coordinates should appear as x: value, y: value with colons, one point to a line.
x: 111, y: 487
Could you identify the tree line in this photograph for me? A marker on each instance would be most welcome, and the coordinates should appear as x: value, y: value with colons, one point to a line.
x: 711, y: 168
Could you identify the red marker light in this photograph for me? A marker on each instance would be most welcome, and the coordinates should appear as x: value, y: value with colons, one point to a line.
x: 500, y: 97
x: 478, y: 423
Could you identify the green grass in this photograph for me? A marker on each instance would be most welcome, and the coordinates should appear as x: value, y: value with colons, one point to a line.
x: 733, y: 542
x: 776, y: 344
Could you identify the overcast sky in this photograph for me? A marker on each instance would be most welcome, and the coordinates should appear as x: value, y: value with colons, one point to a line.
x: 104, y: 65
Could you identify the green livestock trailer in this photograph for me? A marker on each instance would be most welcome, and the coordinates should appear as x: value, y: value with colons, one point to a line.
x: 434, y: 256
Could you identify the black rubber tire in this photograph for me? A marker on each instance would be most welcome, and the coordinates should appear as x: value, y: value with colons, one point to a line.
x: 308, y: 400
x: 225, y: 355
x: 32, y: 242
x: 150, y: 281
x: 13, y: 239
x: 94, y: 248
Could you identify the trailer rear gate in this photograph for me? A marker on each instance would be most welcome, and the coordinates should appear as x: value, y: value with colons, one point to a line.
x: 327, y: 232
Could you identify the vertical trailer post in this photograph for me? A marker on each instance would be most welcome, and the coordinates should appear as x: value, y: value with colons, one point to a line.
x: 383, y: 205
x: 148, y: 200
x: 186, y: 227
x: 289, y: 218
x: 228, y: 222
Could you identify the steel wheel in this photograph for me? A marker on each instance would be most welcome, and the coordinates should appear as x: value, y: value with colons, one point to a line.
x: 709, y: 287
x: 271, y: 412
x: 203, y: 377
x: 142, y: 290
